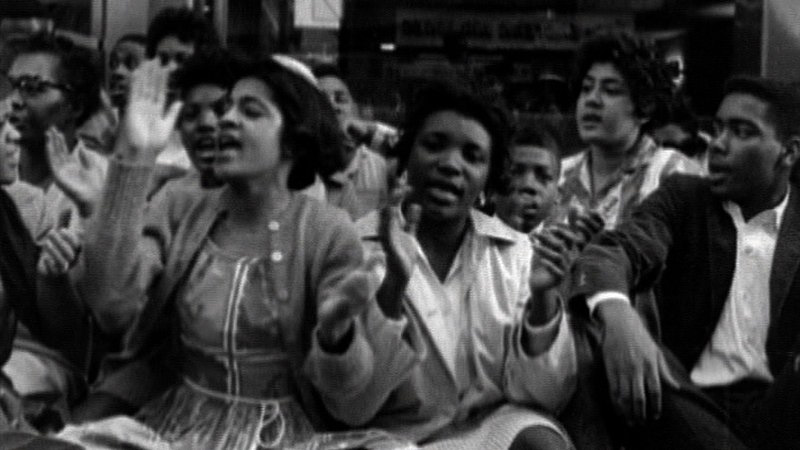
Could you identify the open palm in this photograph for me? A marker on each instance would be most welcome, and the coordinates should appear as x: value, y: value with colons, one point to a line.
x: 74, y: 173
x: 148, y: 124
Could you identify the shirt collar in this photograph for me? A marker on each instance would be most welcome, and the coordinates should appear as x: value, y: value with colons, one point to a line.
x: 481, y: 224
x: 349, y: 172
x: 777, y: 212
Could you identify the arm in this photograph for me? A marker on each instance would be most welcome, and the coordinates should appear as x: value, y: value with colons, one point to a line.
x: 121, y: 261
x: 540, y: 365
x: 619, y: 262
x: 377, y: 360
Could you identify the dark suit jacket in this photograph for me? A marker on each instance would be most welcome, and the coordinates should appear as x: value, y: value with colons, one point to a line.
x: 683, y: 243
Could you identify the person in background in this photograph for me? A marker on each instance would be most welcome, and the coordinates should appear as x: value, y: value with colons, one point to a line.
x: 128, y: 53
x: 173, y: 36
x: 621, y: 83
x: 680, y: 129
x: 19, y: 21
x: 719, y: 368
x: 468, y: 293
x: 362, y: 167
x: 528, y: 195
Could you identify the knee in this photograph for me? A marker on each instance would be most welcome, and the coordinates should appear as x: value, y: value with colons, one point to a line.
x: 539, y: 438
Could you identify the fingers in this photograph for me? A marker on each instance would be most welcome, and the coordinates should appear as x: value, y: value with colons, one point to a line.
x: 172, y: 112
x: 60, y: 250
x: 57, y: 150
x: 149, y: 83
x: 665, y: 373
x: 351, y: 298
x: 336, y: 313
x: 653, y: 393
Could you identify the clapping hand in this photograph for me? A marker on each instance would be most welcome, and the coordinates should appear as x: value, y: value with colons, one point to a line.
x: 397, y: 240
x: 60, y: 250
x: 337, y: 313
x: 74, y: 173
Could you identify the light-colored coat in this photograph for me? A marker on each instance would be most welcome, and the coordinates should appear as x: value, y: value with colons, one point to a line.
x: 424, y: 403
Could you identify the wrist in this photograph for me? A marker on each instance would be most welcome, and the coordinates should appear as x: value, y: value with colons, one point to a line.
x: 542, y: 307
x: 612, y: 311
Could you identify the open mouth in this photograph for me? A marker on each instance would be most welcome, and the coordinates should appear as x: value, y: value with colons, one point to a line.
x: 443, y: 192
x: 591, y: 119
x: 205, y: 149
x: 227, y: 145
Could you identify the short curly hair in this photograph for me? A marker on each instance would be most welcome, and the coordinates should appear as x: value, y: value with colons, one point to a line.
x: 476, y: 103
x: 648, y: 76
x: 77, y: 67
x: 184, y: 24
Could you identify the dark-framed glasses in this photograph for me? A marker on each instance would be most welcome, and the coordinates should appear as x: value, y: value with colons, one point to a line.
x: 31, y: 86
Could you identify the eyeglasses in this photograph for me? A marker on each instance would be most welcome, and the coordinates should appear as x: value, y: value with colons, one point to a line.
x: 31, y: 86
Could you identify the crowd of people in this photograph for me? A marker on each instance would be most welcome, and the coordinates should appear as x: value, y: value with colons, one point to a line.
x: 214, y: 251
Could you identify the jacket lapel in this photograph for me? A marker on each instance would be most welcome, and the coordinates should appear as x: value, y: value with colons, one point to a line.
x: 722, y: 254
x: 787, y: 256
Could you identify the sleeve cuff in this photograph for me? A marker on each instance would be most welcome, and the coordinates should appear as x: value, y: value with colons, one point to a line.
x: 606, y: 296
x: 341, y: 372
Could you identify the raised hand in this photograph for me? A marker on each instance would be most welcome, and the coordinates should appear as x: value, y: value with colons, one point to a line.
x: 148, y: 123
x: 75, y: 174
x: 634, y: 364
x: 336, y: 314
x: 59, y: 252
x: 397, y: 240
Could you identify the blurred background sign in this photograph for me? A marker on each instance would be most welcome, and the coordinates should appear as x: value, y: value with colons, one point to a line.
x: 318, y: 13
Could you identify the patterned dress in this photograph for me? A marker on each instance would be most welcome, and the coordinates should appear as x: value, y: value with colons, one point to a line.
x: 238, y: 390
x: 642, y: 171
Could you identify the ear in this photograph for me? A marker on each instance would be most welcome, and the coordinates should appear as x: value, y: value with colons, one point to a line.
x: 791, y: 151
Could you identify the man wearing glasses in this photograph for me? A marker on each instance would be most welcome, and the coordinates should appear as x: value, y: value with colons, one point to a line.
x: 55, y: 88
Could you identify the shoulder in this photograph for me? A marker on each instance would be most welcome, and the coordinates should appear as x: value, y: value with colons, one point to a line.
x: 668, y: 161
x: 570, y: 163
x: 321, y: 220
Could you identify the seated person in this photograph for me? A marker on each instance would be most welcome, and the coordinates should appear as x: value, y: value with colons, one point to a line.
x: 498, y: 355
x: 622, y: 83
x: 56, y: 87
x: 24, y: 295
x: 528, y: 195
x: 719, y: 368
x: 251, y: 296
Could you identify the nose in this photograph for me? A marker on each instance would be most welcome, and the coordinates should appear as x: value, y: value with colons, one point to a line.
x: 228, y: 120
x: 15, y: 99
x: 592, y: 96
x: 450, y: 161
x: 719, y: 143
x: 529, y: 183
x: 208, y: 121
